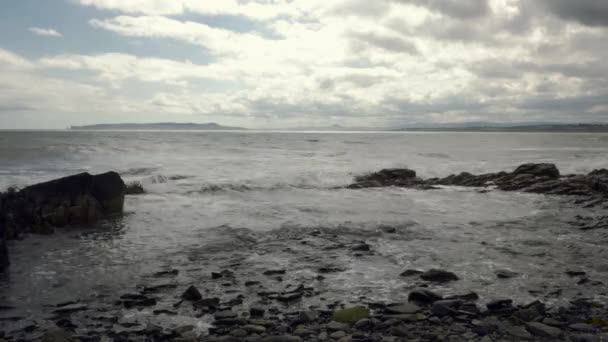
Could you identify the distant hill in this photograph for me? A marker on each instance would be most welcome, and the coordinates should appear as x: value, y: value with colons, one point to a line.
x: 483, y: 127
x: 156, y: 126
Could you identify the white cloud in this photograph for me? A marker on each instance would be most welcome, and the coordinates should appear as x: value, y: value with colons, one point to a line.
x: 45, y: 32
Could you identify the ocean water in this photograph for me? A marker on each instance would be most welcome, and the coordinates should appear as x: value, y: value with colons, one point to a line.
x: 249, y: 201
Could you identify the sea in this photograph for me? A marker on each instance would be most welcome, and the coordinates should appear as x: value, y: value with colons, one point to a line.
x: 252, y: 201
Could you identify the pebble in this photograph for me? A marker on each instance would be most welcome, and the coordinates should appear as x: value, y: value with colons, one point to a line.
x: 438, y: 276
x: 239, y: 333
x: 543, y: 330
x: 333, y: 326
x: 337, y: 334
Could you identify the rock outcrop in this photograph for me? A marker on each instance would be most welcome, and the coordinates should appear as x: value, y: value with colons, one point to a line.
x: 536, y: 178
x: 73, y: 200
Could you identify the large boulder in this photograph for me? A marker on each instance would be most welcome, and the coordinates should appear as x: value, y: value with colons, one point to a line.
x: 73, y: 200
x: 539, y: 170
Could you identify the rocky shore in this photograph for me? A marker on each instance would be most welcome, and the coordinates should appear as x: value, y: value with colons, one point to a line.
x: 588, y: 190
x: 221, y: 300
x: 534, y: 178
x: 171, y: 311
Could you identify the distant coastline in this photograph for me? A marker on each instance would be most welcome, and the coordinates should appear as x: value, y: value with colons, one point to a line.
x: 157, y: 126
x: 566, y: 128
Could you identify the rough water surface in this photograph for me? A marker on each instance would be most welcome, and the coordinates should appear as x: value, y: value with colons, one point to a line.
x: 250, y: 202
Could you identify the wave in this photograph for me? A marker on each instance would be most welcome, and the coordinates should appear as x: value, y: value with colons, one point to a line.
x: 243, y: 187
x: 139, y: 171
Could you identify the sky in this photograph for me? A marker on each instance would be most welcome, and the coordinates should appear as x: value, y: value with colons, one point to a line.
x: 294, y: 63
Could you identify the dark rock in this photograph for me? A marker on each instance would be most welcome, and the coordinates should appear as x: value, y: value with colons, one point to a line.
x: 442, y: 308
x: 137, y: 300
x: 575, y: 273
x: 207, y: 303
x: 134, y: 188
x: 330, y: 269
x: 406, y: 308
x: 423, y: 296
x: 79, y: 199
x: 439, y: 276
x: 274, y: 272
x: 363, y: 247
x: 364, y: 324
x: 470, y: 297
x: 386, y: 177
x: 161, y: 274
x: 540, y: 170
x: 499, y: 304
x: 68, y: 309
x: 409, y: 273
x: 257, y: 311
x: 222, y: 274
x: 192, y: 294
x: 506, y: 274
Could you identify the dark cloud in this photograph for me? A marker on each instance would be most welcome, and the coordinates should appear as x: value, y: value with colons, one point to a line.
x: 461, y: 9
x: 586, y: 12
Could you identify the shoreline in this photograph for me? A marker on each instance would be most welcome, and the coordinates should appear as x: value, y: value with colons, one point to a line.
x: 228, y: 303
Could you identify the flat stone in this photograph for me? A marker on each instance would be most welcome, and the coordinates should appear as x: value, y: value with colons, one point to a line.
x: 239, y: 333
x: 255, y: 329
x: 407, y: 308
x: 364, y: 324
x: 400, y: 331
x: 224, y: 314
x: 505, y: 274
x: 543, y: 330
x: 337, y: 334
x: 582, y: 327
x: 409, y: 273
x: 284, y: 338
x: 516, y: 331
x: 553, y: 322
x: 274, y: 272
x: 409, y: 318
x: 309, y: 316
x: 70, y: 308
x: 333, y: 326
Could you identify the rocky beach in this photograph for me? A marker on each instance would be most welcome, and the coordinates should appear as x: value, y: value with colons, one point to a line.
x: 229, y: 297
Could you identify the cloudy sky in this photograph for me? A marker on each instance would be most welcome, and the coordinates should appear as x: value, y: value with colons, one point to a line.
x: 283, y: 63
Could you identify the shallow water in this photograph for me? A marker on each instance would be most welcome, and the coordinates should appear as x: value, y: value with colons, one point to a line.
x: 248, y: 201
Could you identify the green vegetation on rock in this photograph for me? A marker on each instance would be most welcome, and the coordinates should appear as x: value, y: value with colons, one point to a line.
x: 351, y: 315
